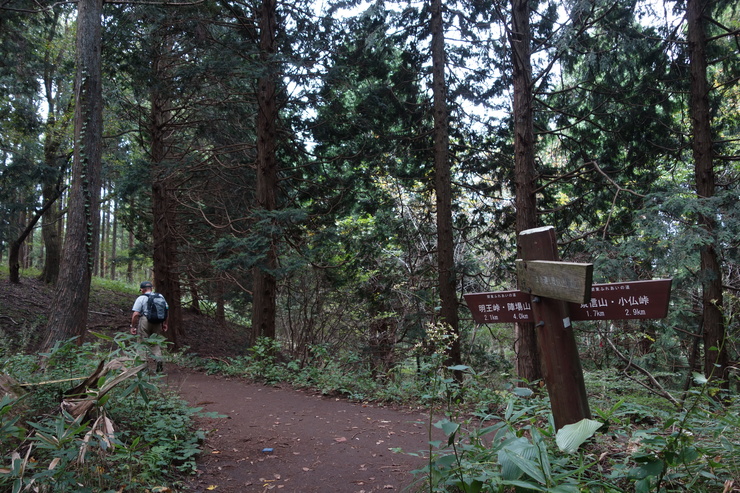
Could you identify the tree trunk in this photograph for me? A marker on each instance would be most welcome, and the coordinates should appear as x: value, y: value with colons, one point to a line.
x: 69, y: 308
x: 101, y: 254
x: 131, y: 244
x: 166, y: 271
x: 194, y: 295
x: 54, y: 163
x: 528, y: 363
x: 443, y: 191
x: 265, y: 283
x: 114, y: 244
x: 51, y: 237
x: 715, y: 350
x: 221, y: 305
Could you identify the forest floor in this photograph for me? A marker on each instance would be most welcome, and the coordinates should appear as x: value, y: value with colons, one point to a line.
x: 270, y: 437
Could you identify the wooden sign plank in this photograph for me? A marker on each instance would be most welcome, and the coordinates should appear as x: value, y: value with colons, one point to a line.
x: 500, y: 307
x: 635, y: 300
x: 566, y: 281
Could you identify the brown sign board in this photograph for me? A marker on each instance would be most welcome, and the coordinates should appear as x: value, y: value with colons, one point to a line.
x: 500, y: 307
x: 635, y: 300
x: 567, y: 281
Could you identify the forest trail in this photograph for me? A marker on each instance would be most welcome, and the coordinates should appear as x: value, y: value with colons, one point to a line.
x: 294, y: 441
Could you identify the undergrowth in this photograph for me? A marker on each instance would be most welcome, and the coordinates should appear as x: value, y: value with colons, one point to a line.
x: 123, y: 432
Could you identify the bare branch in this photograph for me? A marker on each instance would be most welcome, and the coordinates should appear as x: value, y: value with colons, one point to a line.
x: 655, y: 387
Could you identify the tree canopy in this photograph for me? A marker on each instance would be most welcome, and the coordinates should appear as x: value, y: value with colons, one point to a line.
x: 342, y: 176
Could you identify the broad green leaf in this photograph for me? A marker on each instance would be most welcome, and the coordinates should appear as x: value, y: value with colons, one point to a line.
x: 446, y: 461
x: 564, y: 488
x: 527, y: 486
x: 570, y: 437
x: 522, y: 391
x: 699, y: 379
x: 526, y: 465
x: 448, y: 427
x: 520, y: 456
x: 100, y: 335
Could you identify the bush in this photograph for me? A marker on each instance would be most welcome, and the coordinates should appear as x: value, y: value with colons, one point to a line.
x: 518, y: 449
x: 123, y: 433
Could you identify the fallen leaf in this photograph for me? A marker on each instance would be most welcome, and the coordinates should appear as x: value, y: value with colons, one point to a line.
x: 212, y: 487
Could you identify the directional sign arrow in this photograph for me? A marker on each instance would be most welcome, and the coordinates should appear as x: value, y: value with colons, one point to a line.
x: 633, y: 300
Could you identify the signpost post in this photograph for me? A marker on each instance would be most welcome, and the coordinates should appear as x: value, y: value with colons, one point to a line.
x: 554, y: 294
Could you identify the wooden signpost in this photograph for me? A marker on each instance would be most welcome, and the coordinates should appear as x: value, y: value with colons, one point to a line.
x: 552, y: 295
x: 635, y: 300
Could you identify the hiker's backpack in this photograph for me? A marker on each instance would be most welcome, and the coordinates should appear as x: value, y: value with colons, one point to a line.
x: 156, y: 308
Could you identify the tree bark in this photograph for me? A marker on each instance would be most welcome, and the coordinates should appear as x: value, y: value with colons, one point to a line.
x: 715, y: 351
x: 114, y: 244
x: 194, y: 294
x: 264, y: 282
x: 443, y: 191
x: 71, y: 297
x: 55, y: 164
x: 130, y: 263
x: 164, y: 212
x: 51, y: 237
x: 529, y: 367
x: 165, y: 255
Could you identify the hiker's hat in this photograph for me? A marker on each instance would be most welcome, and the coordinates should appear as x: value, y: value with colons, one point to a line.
x: 145, y: 284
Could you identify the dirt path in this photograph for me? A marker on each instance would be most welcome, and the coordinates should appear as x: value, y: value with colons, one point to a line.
x: 293, y: 441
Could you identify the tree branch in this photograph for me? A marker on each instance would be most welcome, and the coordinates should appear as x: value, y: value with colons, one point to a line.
x: 656, y: 388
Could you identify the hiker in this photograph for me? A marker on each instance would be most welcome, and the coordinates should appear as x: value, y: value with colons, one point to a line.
x: 149, y: 317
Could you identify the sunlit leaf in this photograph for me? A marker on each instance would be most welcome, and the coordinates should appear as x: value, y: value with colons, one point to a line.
x: 699, y: 379
x: 570, y: 437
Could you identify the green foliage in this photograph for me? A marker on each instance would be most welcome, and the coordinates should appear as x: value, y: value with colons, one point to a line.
x: 693, y: 450
x: 134, y: 434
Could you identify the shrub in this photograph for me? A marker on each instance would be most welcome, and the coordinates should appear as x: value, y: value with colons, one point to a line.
x: 128, y: 436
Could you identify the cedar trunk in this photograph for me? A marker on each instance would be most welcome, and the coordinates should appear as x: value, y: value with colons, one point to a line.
x: 529, y: 367
x: 264, y: 281
x: 443, y: 190
x: 50, y: 191
x: 715, y: 351
x: 68, y: 315
x: 166, y: 272
x: 51, y: 237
